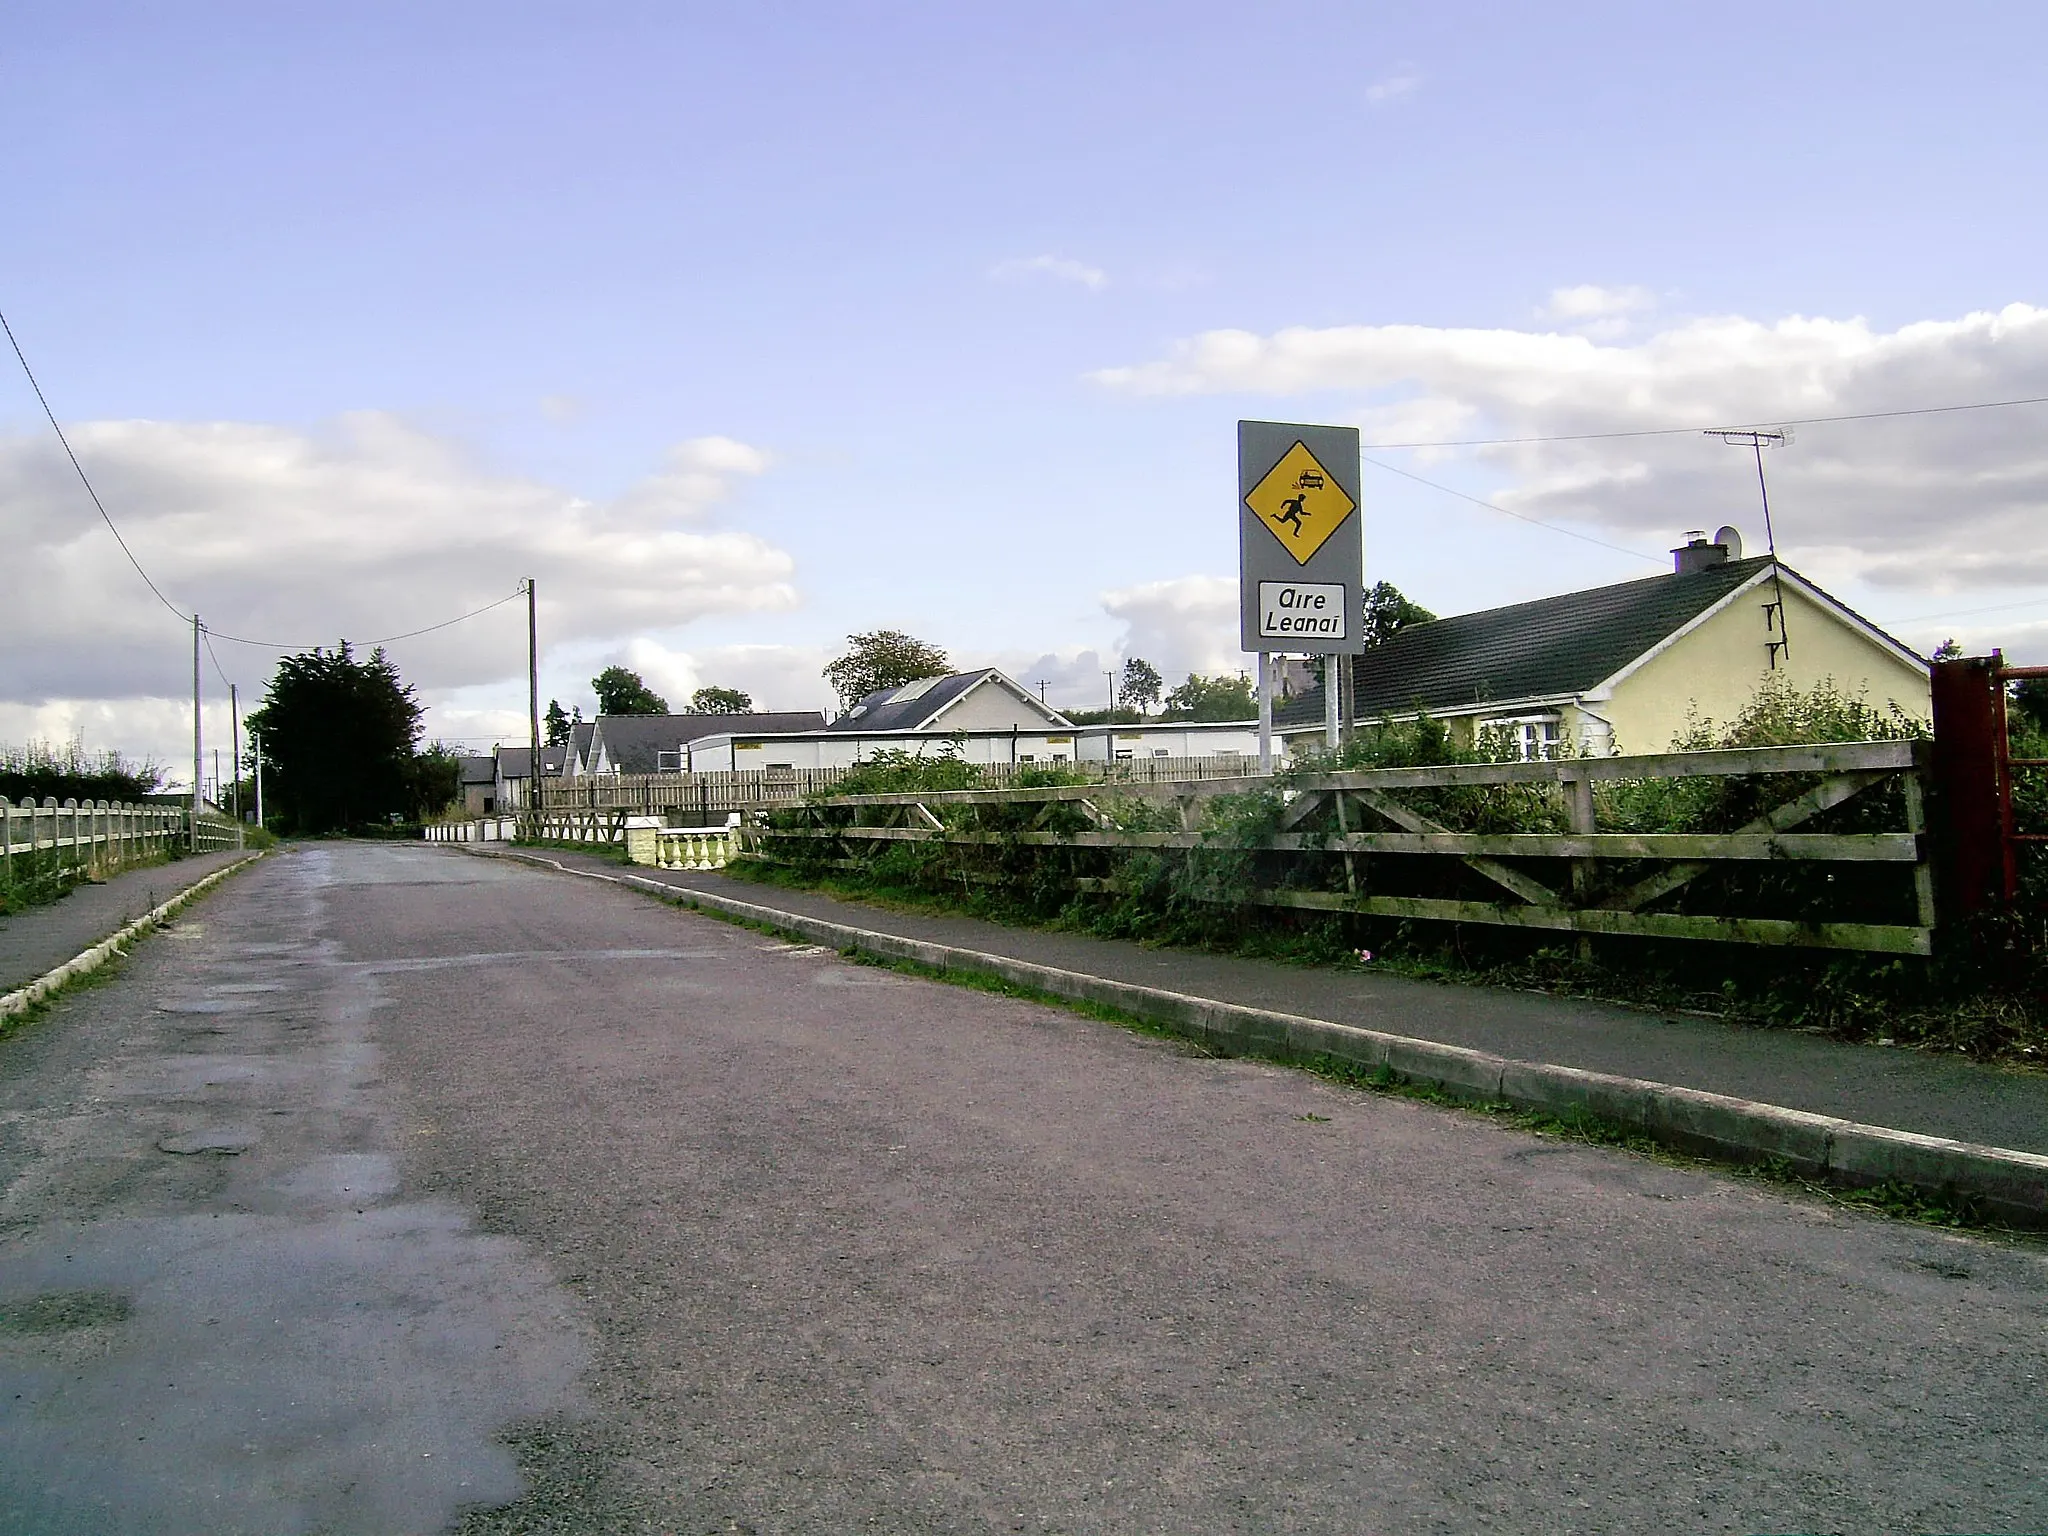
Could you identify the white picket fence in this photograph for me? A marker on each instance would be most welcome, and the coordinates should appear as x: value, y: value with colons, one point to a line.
x: 99, y: 836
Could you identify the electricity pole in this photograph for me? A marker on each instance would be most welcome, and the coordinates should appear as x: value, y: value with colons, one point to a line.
x: 235, y: 755
x: 198, y: 794
x: 533, y: 710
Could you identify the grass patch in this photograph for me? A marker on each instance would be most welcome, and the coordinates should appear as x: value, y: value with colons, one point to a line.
x: 1871, y: 1000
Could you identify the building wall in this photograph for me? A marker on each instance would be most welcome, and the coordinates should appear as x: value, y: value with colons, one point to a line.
x: 989, y: 706
x: 1714, y: 672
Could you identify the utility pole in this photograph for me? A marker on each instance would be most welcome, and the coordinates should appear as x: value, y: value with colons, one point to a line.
x: 1757, y: 442
x: 198, y: 793
x: 533, y: 710
x: 257, y: 741
x: 1112, y: 695
x: 235, y: 755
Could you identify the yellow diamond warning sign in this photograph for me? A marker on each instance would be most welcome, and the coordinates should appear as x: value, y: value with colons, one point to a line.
x: 1301, y: 502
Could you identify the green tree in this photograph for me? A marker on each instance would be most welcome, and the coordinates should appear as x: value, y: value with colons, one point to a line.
x: 339, y: 735
x: 1211, y: 698
x: 621, y: 692
x: 883, y: 658
x: 1141, y: 684
x: 720, y: 701
x: 555, y: 724
x: 435, y: 779
x: 1387, y: 612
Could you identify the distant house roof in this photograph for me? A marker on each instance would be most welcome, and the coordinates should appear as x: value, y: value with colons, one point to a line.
x: 917, y: 705
x: 479, y: 770
x: 579, y: 743
x: 1551, y: 648
x: 632, y: 743
x: 513, y: 762
x: 552, y: 758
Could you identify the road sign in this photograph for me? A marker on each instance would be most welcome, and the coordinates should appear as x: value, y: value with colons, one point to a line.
x: 1301, y: 563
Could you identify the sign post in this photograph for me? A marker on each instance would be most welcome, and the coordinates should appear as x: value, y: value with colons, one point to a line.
x: 1300, y: 555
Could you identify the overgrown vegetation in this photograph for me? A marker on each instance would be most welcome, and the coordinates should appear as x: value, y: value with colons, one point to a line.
x: 40, y: 771
x: 1987, y: 997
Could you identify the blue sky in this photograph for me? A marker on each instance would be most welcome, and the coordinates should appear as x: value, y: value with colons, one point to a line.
x: 947, y: 284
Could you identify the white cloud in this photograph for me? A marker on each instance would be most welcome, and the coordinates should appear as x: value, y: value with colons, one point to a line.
x: 1187, y: 624
x: 1397, y: 84
x: 1929, y: 503
x: 1065, y: 269
x: 1590, y: 301
x: 371, y: 528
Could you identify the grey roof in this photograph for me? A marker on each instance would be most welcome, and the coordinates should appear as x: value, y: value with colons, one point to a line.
x: 513, y: 762
x: 1553, y: 646
x: 552, y: 757
x: 478, y: 770
x: 908, y: 706
x: 579, y: 739
x: 632, y: 742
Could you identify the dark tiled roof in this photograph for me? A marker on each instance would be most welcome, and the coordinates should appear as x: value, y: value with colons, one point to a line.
x: 632, y: 742
x: 885, y: 711
x: 1555, y: 645
x: 512, y: 762
x: 479, y: 770
x: 579, y: 738
x: 552, y: 758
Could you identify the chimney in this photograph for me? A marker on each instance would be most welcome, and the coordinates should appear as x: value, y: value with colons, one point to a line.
x: 1696, y: 554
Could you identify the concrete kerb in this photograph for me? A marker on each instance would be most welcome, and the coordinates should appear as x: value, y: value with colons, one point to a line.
x: 2005, y: 1184
x: 24, y: 998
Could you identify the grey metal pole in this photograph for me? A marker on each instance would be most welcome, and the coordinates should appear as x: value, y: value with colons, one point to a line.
x: 259, y: 780
x: 1333, y: 691
x: 198, y: 755
x: 1265, y: 713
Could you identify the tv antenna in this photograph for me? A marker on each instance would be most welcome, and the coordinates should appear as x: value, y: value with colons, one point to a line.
x: 1757, y: 439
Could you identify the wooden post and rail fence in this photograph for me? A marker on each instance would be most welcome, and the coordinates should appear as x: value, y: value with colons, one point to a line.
x: 1376, y: 842
x: 1855, y: 846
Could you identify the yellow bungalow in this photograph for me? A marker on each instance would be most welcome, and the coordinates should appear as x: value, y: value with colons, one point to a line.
x: 1623, y: 668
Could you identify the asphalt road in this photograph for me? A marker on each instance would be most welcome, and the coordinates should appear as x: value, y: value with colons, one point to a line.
x: 394, y: 1189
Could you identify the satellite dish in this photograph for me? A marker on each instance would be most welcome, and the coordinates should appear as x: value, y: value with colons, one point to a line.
x: 1732, y: 537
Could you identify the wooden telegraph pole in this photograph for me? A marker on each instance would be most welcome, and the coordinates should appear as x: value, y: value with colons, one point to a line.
x: 532, y: 713
x: 198, y: 792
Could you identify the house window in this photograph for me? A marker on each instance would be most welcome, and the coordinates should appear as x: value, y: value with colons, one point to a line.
x: 1123, y: 755
x: 1059, y: 757
x: 668, y: 762
x: 1532, y: 738
x: 1027, y: 758
x: 1161, y: 752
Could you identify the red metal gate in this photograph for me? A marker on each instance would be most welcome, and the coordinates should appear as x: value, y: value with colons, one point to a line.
x: 1973, y: 768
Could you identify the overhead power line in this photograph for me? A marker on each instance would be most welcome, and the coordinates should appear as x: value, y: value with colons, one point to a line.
x: 182, y: 616
x: 1790, y: 421
x: 281, y: 645
x: 1520, y: 517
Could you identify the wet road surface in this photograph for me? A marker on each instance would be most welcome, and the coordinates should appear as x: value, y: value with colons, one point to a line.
x: 399, y: 1190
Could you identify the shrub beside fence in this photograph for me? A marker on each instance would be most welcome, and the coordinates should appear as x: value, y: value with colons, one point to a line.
x: 1820, y: 846
x: 711, y: 797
